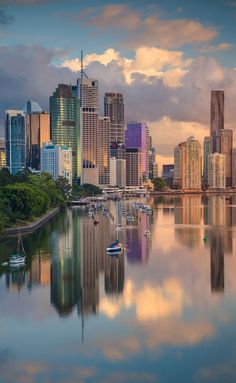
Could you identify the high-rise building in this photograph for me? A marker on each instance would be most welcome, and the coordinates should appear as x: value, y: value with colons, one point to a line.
x: 224, y: 145
x: 118, y: 172
x: 57, y: 161
x: 15, y: 135
x: 217, y: 111
x: 217, y: 171
x: 187, y: 165
x: 148, y: 148
x: 103, y: 141
x: 117, y: 150
x: 2, y: 153
x: 179, y: 165
x: 136, y: 137
x: 206, y: 152
x: 65, y: 124
x: 168, y: 173
x: 88, y: 92
x: 114, y: 108
x: 38, y: 131
x: 134, y: 168
x: 234, y: 168
x: 32, y: 107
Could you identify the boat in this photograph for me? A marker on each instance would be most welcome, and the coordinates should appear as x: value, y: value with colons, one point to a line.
x: 119, y: 227
x: 18, y: 259
x: 130, y: 218
x: 147, y: 233
x: 115, y: 248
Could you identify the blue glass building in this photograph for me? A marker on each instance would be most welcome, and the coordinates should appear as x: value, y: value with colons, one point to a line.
x: 15, y: 134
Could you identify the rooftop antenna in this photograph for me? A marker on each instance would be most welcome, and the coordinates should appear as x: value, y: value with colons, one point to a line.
x: 82, y: 74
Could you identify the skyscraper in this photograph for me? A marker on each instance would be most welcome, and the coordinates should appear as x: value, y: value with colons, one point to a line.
x: 134, y: 168
x: 217, y: 171
x: 87, y: 91
x: 217, y: 111
x: 136, y: 137
x: 103, y: 140
x: 2, y: 153
x: 114, y: 108
x: 187, y: 165
x: 206, y: 152
x: 15, y: 134
x: 65, y: 124
x: 38, y: 131
x: 224, y: 145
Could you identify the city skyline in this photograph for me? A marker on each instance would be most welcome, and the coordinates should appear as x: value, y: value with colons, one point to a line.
x: 165, y: 77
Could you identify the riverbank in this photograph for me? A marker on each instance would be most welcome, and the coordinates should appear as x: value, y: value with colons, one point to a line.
x: 199, y: 192
x: 29, y: 228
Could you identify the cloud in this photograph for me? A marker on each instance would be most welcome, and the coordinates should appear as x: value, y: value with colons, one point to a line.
x: 149, y: 30
x: 26, y: 72
x: 5, y: 19
x: 148, y: 61
x: 216, y: 48
x: 24, y: 2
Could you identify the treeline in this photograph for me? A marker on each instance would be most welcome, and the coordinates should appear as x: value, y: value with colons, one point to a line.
x: 25, y: 195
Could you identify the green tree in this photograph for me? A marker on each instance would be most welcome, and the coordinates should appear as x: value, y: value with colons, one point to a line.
x: 159, y: 184
x: 64, y: 186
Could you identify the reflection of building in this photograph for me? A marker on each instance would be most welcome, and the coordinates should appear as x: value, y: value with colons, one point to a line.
x: 114, y: 274
x: 137, y: 244
x: 40, y: 271
x: 188, y: 212
x: 65, y: 267
x: 217, y: 263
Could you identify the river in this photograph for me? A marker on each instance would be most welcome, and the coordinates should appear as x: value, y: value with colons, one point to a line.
x: 164, y: 311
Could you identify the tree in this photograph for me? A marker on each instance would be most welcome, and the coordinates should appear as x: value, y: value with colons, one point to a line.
x: 159, y: 184
x: 64, y: 186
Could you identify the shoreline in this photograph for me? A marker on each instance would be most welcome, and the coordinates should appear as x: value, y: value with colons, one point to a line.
x: 200, y: 192
x: 25, y: 229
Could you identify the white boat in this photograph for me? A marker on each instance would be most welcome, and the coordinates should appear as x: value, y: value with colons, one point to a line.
x: 147, y: 233
x: 130, y: 218
x: 18, y: 259
x: 119, y: 227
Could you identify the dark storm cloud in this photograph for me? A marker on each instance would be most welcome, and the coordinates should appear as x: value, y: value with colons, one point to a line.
x: 6, y: 19
x: 28, y: 73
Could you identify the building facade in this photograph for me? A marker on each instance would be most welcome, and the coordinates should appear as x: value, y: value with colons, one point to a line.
x: 206, y: 152
x: 15, y: 136
x: 88, y: 94
x: 217, y: 171
x: 103, y: 140
x: 118, y: 172
x: 38, y: 133
x: 224, y: 145
x: 57, y: 161
x: 136, y: 138
x: 134, y: 168
x: 65, y: 124
x: 2, y: 153
x: 217, y: 111
x: 114, y: 109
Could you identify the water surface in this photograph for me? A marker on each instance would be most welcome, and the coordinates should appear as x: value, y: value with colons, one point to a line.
x: 162, y: 312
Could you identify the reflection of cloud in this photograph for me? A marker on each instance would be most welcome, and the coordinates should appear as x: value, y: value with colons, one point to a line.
x: 150, y: 302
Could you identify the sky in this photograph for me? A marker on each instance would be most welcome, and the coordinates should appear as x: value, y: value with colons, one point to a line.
x: 164, y: 56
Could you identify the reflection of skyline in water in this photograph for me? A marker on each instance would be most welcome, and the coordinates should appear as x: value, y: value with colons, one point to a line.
x: 73, y: 255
